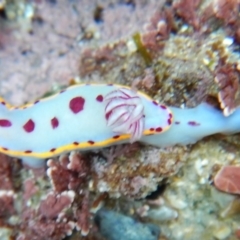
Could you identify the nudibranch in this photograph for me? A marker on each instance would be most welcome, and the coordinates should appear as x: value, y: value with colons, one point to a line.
x: 92, y: 116
x: 80, y: 117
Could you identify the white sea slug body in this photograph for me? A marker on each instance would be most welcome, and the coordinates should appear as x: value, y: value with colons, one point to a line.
x: 91, y: 116
x: 81, y: 117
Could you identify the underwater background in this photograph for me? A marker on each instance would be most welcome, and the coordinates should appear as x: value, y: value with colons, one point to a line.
x: 180, y: 53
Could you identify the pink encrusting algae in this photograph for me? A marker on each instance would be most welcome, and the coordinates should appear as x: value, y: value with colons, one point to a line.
x: 228, y: 179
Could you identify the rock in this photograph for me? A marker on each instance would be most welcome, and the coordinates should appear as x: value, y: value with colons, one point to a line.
x: 222, y: 232
x: 228, y: 179
x: 116, y: 226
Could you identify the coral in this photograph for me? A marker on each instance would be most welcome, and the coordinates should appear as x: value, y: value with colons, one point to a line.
x: 228, y: 79
x: 30, y: 189
x: 195, y: 199
x: 45, y: 211
x: 227, y: 10
x: 54, y: 204
x: 55, y: 169
x: 174, y: 58
x: 8, y: 169
x: 45, y: 217
x: 102, y: 60
x: 146, y: 82
x: 83, y: 215
x: 237, y: 35
x: 129, y: 17
x: 44, y: 49
x: 43, y: 229
x: 180, y: 67
x: 59, y: 211
x: 158, y: 30
x: 28, y: 60
x: 141, y: 174
x: 6, y: 203
x: 187, y: 10
x: 6, y: 172
x: 68, y: 173
x: 227, y: 179
x: 5, y: 35
x: 71, y: 173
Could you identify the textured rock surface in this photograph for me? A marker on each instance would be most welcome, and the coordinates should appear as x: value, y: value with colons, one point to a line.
x: 116, y: 226
x: 180, y: 52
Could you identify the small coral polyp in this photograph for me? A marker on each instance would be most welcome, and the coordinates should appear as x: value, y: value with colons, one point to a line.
x: 94, y: 116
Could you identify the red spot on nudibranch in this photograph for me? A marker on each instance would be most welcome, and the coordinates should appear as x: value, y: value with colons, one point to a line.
x: 5, y: 149
x: 170, y: 119
x: 3, y: 103
x: 53, y: 150
x: 36, y: 102
x: 151, y: 129
x: 28, y: 151
x: 76, y: 104
x: 99, y: 98
x: 91, y: 142
x: 193, y: 123
x: 75, y: 143
x: 154, y: 102
x: 159, y: 129
x: 116, y: 136
x: 54, y: 122
x: 5, y: 123
x: 163, y: 107
x: 29, y: 126
x: 107, y: 115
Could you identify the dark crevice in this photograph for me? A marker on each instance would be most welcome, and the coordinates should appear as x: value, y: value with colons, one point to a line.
x: 3, y: 14
x: 98, y: 14
x: 158, y: 192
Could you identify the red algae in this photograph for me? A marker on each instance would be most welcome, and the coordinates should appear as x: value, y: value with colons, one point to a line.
x: 228, y: 179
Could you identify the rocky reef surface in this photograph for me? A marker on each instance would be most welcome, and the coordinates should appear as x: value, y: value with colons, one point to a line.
x: 179, y: 52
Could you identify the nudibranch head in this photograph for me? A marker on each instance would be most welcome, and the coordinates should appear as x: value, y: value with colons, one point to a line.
x: 124, y: 113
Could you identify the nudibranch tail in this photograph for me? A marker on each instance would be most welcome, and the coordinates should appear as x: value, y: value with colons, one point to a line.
x: 124, y: 113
